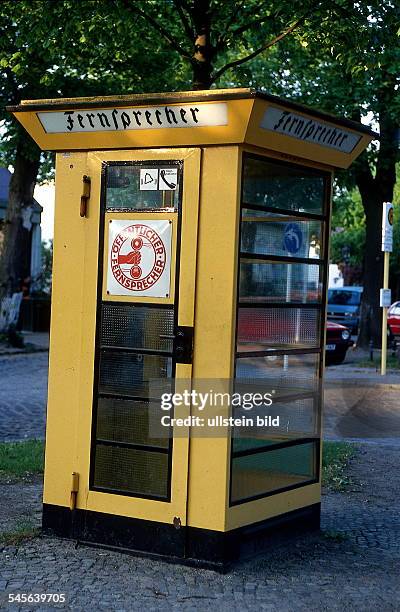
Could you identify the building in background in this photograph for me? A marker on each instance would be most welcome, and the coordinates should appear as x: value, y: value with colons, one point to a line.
x: 31, y: 222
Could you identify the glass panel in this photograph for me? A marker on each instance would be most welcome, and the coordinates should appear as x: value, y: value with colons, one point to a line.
x: 261, y: 473
x: 344, y: 297
x: 133, y: 471
x: 130, y: 374
x: 264, y: 281
x: 132, y: 326
x: 131, y: 421
x: 263, y: 328
x: 279, y: 186
x: 143, y: 186
x: 292, y: 419
x: 272, y: 234
x: 287, y: 375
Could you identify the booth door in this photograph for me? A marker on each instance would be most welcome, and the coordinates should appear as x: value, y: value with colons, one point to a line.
x: 144, y: 331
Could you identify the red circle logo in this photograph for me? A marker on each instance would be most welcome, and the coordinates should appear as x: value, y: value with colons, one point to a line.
x: 137, y: 257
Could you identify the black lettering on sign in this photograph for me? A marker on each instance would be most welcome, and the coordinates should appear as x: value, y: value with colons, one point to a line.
x: 281, y: 119
x: 80, y: 120
x: 135, y: 114
x: 147, y: 114
x: 70, y: 121
x: 103, y: 120
x: 194, y: 111
x: 307, y: 129
x: 170, y: 113
x: 114, y: 117
x: 158, y: 115
x: 126, y: 120
x: 90, y: 117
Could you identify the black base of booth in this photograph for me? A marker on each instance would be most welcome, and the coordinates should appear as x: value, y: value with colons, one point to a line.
x: 186, y: 545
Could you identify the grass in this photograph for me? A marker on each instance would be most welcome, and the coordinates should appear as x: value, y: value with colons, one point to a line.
x: 335, y: 459
x: 23, y: 530
x: 391, y: 362
x: 334, y: 536
x: 21, y: 459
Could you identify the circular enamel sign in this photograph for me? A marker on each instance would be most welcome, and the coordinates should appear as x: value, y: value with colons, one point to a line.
x: 138, y: 257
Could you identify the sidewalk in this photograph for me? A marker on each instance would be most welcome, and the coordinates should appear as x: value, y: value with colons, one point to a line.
x: 353, y: 564
x: 34, y: 342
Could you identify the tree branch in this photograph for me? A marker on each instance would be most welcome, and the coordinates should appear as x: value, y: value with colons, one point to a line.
x: 158, y: 27
x: 251, y: 56
x: 221, y: 40
x: 252, y: 23
x: 179, y: 5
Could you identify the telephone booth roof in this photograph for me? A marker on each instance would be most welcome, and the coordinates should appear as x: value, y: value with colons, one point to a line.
x: 193, y: 118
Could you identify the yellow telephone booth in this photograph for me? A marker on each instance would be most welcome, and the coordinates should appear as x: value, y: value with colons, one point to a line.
x: 190, y: 250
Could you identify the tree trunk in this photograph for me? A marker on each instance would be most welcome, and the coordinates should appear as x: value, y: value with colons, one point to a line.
x: 374, y: 191
x: 15, y: 247
x: 371, y: 314
x: 204, y: 51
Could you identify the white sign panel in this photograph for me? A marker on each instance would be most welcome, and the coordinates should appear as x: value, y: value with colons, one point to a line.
x: 299, y: 127
x: 134, y: 118
x: 385, y: 297
x: 163, y: 179
x: 387, y: 227
x: 148, y: 179
x: 139, y: 257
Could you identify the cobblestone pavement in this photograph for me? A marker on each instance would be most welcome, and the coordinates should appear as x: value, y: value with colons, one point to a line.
x: 23, y: 393
x: 358, y: 404
x: 353, y: 564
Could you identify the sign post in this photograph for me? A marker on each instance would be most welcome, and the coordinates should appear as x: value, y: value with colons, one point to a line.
x: 385, y: 298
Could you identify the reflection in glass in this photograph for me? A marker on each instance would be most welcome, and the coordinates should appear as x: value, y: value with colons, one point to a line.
x: 282, y: 235
x: 279, y: 282
x: 261, y: 473
x: 124, y: 192
x: 275, y: 185
x: 264, y: 328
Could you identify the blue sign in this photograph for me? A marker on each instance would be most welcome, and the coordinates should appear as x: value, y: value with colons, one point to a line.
x: 293, y: 238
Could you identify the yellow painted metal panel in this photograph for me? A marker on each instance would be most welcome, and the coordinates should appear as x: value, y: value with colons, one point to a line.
x: 233, y: 132
x: 67, y: 330
x: 214, y: 326
x: 274, y: 505
x: 290, y: 145
x: 73, y: 335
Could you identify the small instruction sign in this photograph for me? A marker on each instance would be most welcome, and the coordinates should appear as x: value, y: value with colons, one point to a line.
x: 148, y: 179
x: 385, y: 298
x: 387, y: 227
x: 158, y: 179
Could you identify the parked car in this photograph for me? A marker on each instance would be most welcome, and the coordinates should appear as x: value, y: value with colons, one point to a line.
x: 338, y: 341
x: 394, y: 319
x: 344, y: 306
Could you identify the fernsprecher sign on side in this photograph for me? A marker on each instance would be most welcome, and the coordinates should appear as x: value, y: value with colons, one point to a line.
x: 302, y: 128
x: 134, y: 118
x: 387, y: 227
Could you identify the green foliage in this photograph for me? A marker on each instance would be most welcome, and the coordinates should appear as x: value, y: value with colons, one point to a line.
x: 47, y: 267
x: 19, y: 459
x: 335, y: 460
x: 348, y: 227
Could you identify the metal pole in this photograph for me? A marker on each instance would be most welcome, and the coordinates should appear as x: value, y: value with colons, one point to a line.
x: 386, y: 255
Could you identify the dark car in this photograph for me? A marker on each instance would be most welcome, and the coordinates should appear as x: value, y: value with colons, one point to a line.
x: 344, y: 306
x: 337, y: 342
